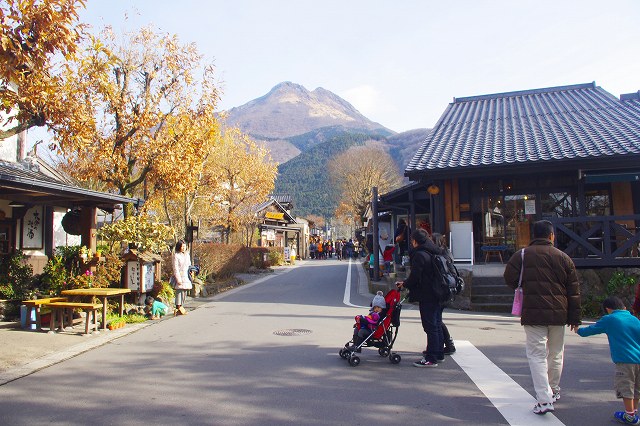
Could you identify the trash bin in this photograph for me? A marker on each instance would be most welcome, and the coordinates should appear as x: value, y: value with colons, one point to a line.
x: 23, y: 317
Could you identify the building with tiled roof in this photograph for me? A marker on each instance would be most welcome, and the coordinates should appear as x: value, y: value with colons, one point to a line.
x: 500, y: 162
x: 41, y: 209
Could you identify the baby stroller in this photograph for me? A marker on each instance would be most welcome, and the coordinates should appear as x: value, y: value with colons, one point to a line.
x: 383, y: 336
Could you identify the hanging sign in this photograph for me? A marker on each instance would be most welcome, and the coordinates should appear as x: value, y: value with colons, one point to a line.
x: 274, y: 215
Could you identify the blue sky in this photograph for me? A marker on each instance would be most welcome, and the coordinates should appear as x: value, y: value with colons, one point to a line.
x: 398, y: 62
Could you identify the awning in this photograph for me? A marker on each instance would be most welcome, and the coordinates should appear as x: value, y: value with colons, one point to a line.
x: 608, y: 177
x: 279, y: 228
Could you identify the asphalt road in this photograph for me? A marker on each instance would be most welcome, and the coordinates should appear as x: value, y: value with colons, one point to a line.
x: 228, y: 363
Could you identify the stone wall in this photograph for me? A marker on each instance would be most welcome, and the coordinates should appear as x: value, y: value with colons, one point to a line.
x: 594, y: 283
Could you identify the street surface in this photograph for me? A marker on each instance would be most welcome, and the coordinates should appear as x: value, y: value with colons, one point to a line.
x: 224, y: 364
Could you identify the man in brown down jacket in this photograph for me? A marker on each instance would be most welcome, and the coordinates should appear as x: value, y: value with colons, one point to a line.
x: 551, y: 300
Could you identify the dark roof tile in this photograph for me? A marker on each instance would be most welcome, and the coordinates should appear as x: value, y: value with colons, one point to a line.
x: 556, y: 123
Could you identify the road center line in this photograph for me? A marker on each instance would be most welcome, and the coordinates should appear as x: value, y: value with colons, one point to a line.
x: 511, y: 400
x: 347, y: 288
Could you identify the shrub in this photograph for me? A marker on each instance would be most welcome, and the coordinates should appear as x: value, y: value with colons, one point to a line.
x: 54, y: 276
x: 276, y: 257
x: 138, y: 231
x: 620, y: 284
x: 222, y: 260
x: 16, y: 276
x: 163, y: 291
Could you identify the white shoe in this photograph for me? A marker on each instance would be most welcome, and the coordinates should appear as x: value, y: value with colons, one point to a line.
x: 543, y: 408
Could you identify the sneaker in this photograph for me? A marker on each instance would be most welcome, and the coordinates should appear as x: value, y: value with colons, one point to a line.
x: 449, y: 351
x: 440, y: 360
x: 556, y: 396
x: 424, y: 363
x: 625, y: 418
x: 543, y: 408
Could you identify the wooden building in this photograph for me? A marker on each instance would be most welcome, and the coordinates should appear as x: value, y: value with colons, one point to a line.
x: 40, y: 210
x: 276, y: 225
x: 568, y: 154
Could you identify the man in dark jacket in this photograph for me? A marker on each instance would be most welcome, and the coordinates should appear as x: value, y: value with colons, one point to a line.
x: 420, y: 284
x: 551, y: 300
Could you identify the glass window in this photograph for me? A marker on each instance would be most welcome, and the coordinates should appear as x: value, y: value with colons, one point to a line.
x: 519, y: 215
x: 557, y: 204
x: 598, y: 202
x: 493, y: 220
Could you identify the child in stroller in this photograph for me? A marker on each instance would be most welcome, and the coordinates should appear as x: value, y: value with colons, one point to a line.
x: 366, y: 325
x: 376, y: 329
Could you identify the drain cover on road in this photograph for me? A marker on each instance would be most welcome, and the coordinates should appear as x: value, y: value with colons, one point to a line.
x: 292, y: 332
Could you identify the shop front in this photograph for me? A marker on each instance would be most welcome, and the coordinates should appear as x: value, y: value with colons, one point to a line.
x: 566, y: 154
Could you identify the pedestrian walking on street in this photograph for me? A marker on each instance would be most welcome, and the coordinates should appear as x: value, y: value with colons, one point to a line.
x: 551, y: 300
x: 623, y: 332
x: 181, y: 264
x: 420, y: 284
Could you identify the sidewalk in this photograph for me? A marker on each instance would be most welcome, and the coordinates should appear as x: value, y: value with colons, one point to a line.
x: 23, y: 352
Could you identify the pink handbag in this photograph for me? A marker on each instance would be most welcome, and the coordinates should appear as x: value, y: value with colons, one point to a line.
x: 518, y: 297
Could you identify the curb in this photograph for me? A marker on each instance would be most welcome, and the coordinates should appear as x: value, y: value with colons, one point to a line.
x: 97, y: 339
x: 105, y: 336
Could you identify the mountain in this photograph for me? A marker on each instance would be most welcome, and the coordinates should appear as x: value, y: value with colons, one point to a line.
x: 306, y: 177
x: 403, y: 146
x: 304, y: 130
x: 289, y: 109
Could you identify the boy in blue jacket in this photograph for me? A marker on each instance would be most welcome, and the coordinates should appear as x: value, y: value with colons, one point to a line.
x: 623, y: 331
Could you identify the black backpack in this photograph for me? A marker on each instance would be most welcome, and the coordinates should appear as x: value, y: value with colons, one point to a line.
x: 448, y: 282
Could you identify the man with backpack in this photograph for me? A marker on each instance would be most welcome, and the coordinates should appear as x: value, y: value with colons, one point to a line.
x: 424, y: 289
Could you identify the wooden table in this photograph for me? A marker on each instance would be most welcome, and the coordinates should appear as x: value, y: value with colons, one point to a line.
x: 100, y: 293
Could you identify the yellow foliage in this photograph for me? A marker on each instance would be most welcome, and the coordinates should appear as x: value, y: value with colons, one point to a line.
x: 373, y: 167
x: 32, y: 34
x: 144, y: 109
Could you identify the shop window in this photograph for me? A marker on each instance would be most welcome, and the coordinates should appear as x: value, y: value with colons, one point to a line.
x: 557, y: 204
x: 493, y: 220
x: 519, y: 214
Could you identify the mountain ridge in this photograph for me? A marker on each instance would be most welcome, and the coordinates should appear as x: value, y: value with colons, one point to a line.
x: 305, y: 129
x: 304, y: 111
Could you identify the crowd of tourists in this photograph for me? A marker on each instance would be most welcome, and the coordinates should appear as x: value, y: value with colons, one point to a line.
x: 327, y: 249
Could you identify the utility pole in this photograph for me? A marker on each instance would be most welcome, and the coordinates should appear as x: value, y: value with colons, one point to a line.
x: 376, y: 240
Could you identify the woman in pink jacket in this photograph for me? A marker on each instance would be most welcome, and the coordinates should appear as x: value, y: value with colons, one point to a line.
x: 181, y: 263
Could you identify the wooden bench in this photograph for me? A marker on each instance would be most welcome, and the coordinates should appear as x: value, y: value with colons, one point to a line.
x: 493, y: 251
x: 36, y: 304
x: 64, y: 311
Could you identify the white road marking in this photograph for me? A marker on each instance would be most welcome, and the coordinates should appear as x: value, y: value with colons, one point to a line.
x: 347, y: 290
x: 512, y: 401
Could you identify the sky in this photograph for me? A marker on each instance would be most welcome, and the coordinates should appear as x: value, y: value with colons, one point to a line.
x: 400, y: 63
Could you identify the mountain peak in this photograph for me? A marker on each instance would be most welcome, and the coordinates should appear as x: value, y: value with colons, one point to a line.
x: 289, y: 109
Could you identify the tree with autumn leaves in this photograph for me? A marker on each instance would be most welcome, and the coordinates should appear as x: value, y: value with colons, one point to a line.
x: 241, y: 177
x: 153, y: 126
x: 145, y: 100
x: 355, y: 172
x: 134, y: 114
x: 234, y: 175
x: 37, y: 38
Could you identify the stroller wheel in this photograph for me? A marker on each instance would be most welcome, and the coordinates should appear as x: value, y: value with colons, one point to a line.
x: 383, y: 352
x: 395, y: 359
x: 344, y: 353
x: 354, y: 361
